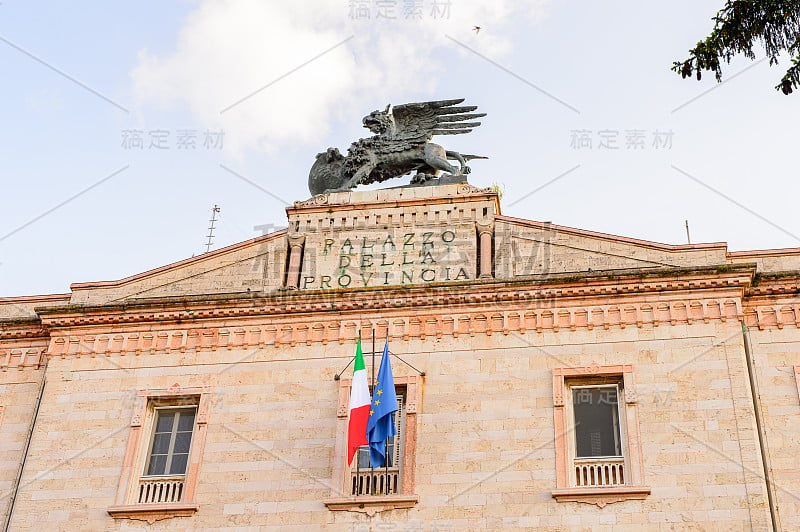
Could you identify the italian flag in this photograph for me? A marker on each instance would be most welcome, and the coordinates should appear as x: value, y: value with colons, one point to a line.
x: 359, y: 406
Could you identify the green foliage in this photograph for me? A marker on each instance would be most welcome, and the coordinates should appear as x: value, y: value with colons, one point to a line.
x: 739, y: 26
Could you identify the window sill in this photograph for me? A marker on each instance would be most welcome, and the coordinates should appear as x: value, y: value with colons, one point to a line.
x: 601, y: 496
x: 153, y: 512
x: 372, y: 504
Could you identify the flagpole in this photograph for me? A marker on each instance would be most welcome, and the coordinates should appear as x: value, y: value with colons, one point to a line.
x: 371, y: 465
x: 358, y: 451
x: 386, y: 444
x: 386, y: 465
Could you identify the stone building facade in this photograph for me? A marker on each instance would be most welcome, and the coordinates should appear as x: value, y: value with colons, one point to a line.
x: 549, y: 378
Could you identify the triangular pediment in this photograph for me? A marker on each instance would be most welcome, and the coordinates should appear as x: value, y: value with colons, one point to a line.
x: 409, y: 237
x: 255, y: 265
x: 528, y: 248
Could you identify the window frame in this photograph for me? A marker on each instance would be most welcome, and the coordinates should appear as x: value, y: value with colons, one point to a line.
x: 621, y: 425
x: 137, y: 455
x: 340, y: 499
x: 564, y: 380
x: 158, y: 410
x: 397, y: 445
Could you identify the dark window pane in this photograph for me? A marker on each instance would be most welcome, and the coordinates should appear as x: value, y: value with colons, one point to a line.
x: 161, y: 443
x: 596, y: 422
x: 364, y: 460
x: 178, y: 466
x: 182, y: 442
x: 186, y: 421
x: 165, y: 421
x: 363, y: 452
x: 158, y: 464
x: 363, y: 457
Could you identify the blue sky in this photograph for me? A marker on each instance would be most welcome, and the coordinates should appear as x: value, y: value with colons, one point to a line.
x: 82, y: 205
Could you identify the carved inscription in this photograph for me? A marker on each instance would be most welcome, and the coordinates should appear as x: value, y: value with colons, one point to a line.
x: 403, y: 256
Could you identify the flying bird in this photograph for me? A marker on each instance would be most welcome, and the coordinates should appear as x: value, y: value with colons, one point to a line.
x: 476, y: 29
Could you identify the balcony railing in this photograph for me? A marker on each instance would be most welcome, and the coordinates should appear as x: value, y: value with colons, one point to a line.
x: 161, y: 489
x: 599, y: 472
x: 375, y: 482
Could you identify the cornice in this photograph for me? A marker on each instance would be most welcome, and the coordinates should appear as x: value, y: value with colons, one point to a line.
x: 24, y: 328
x: 531, y: 292
x: 35, y: 299
x: 774, y: 284
x: 773, y: 301
x: 773, y: 290
x: 777, y: 252
x: 342, y: 202
x: 442, y: 321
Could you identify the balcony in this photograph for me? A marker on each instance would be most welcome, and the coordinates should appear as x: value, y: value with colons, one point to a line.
x: 156, y: 498
x: 599, y: 472
x: 161, y: 489
x: 373, y: 491
x: 375, y: 482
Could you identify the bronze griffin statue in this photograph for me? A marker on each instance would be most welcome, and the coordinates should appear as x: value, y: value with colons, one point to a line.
x: 401, y: 144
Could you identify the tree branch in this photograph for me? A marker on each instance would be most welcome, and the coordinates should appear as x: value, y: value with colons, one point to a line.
x: 738, y: 27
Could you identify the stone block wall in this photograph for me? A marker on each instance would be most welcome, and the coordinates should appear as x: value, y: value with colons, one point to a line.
x: 485, y: 441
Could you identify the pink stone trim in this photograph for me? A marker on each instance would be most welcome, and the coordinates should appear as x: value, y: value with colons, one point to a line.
x: 153, y: 512
x: 776, y: 314
x: 372, y: 505
x: 601, y: 496
x: 22, y: 357
x: 589, y: 308
x: 35, y: 299
x: 357, y: 298
x: 777, y: 252
x: 136, y: 451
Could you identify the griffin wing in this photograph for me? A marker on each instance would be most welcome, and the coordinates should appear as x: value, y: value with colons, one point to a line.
x: 417, y: 123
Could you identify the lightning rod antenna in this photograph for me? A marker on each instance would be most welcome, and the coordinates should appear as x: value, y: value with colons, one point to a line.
x: 212, y: 221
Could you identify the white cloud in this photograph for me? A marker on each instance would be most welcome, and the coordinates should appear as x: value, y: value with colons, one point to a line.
x: 227, y: 50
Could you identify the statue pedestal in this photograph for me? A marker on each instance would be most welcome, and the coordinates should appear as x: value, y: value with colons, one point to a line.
x: 390, y: 237
x: 445, y: 179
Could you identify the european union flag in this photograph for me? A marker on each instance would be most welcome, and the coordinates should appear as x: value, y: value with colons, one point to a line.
x: 381, y: 415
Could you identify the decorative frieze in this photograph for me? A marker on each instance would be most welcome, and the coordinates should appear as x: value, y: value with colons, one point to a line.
x: 19, y: 354
x: 20, y: 358
x: 772, y: 315
x: 443, y: 321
